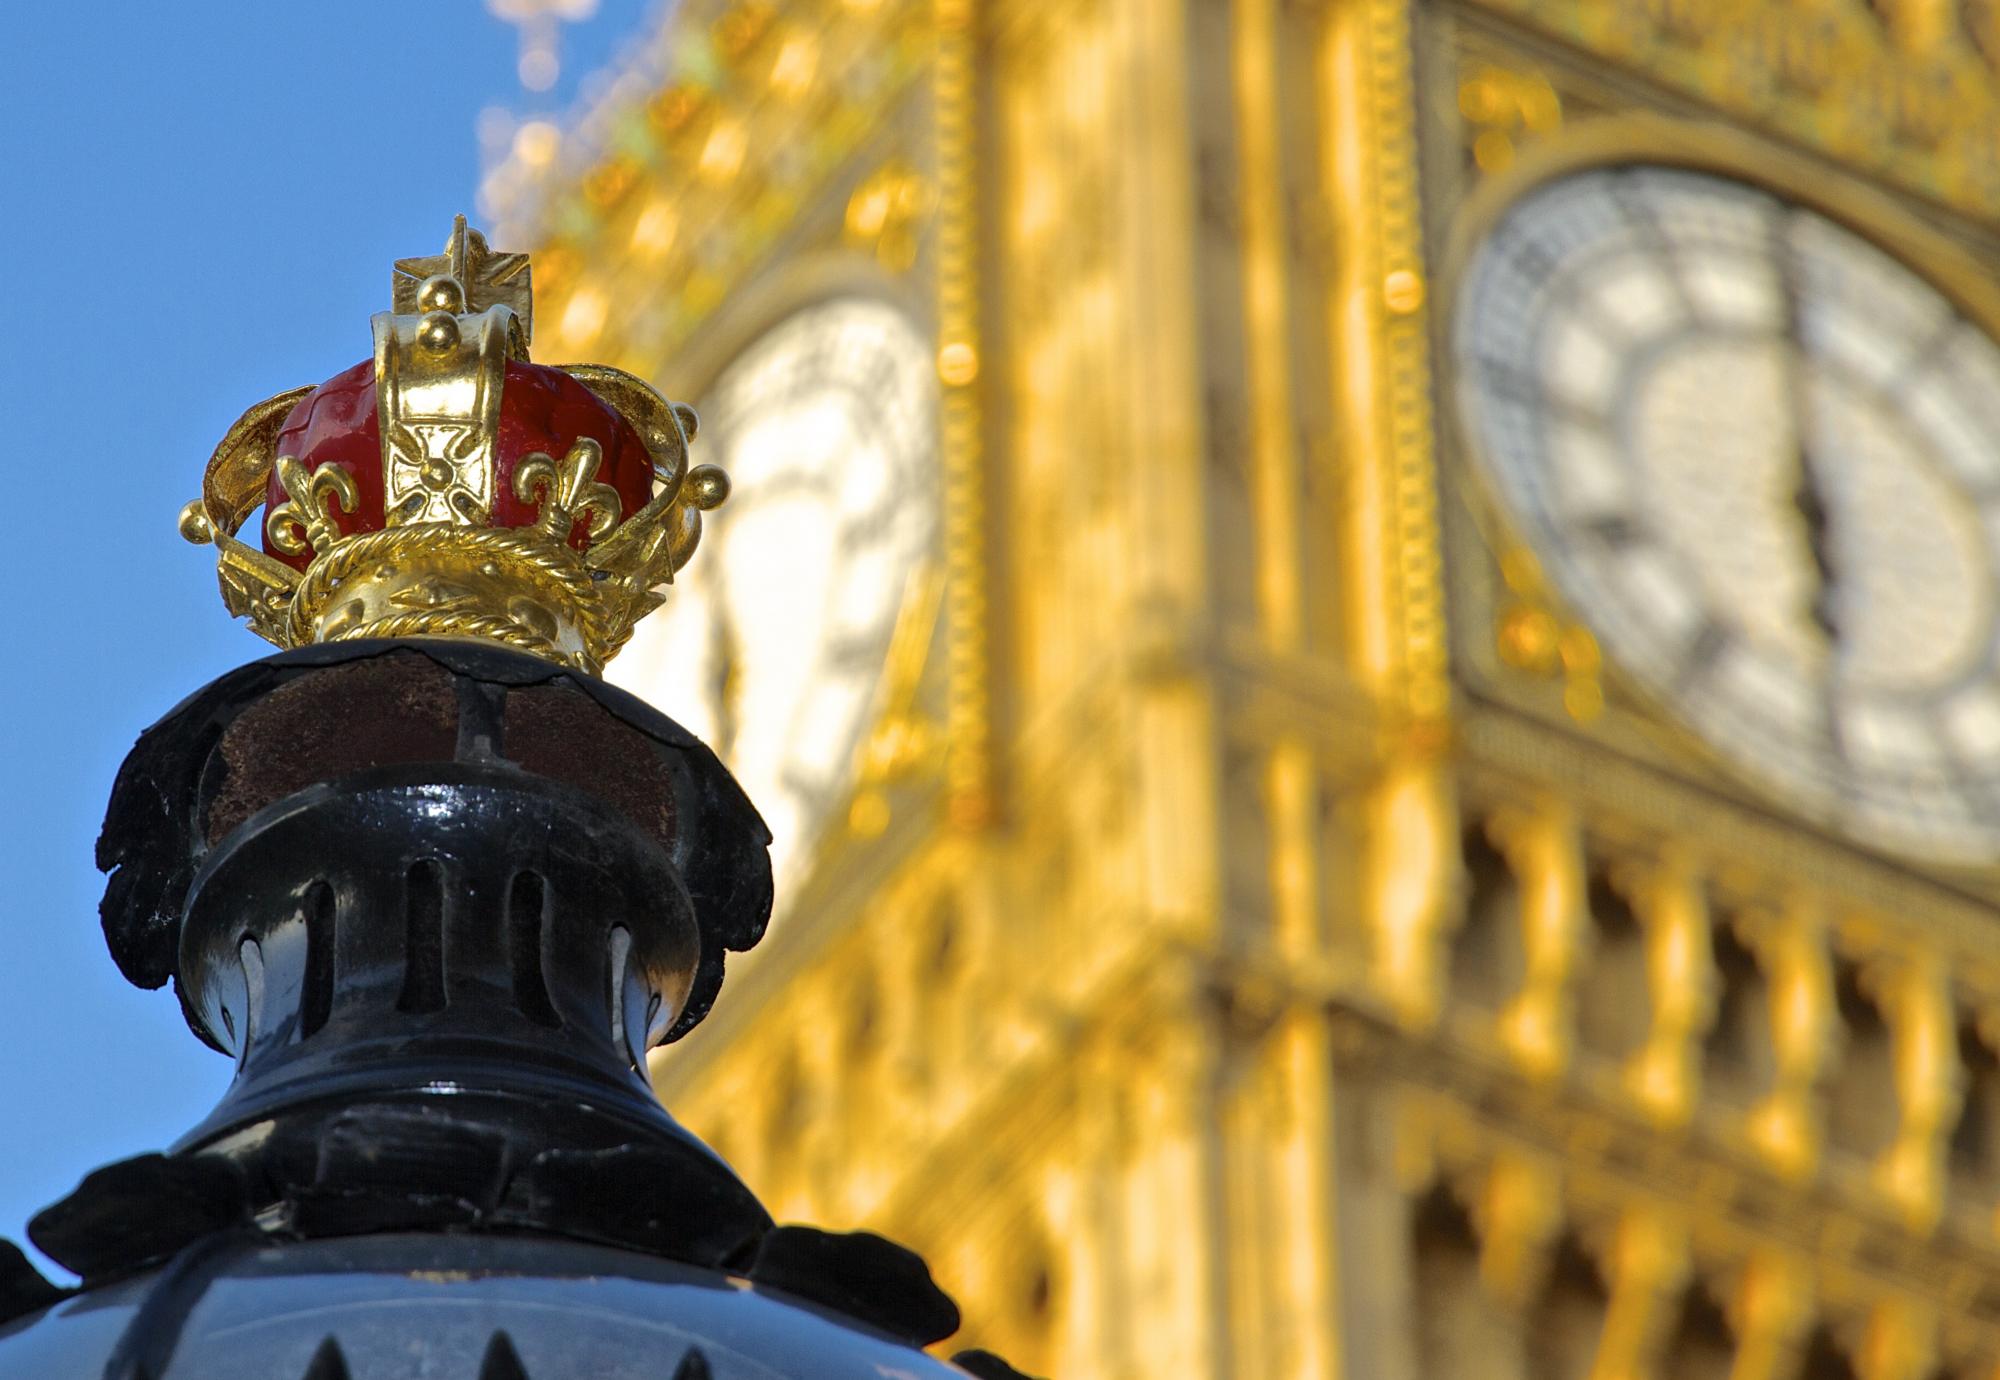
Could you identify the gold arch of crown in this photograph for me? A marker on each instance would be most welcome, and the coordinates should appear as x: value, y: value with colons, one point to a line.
x: 438, y: 566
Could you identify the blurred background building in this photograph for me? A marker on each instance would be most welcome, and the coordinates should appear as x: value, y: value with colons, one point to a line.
x: 1369, y: 628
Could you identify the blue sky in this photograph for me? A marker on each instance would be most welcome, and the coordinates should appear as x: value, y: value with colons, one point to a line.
x: 201, y: 203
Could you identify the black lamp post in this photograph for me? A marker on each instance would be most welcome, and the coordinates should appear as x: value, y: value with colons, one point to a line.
x: 438, y: 893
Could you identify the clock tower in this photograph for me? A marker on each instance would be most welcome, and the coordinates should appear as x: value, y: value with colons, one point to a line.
x: 1369, y: 630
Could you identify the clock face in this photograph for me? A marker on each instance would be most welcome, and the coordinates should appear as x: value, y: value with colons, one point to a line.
x: 772, y: 642
x: 1761, y: 458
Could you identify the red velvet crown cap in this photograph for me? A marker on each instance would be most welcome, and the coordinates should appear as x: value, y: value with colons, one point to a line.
x: 542, y: 410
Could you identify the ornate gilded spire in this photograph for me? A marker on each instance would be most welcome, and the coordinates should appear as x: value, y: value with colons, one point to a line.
x: 451, y: 488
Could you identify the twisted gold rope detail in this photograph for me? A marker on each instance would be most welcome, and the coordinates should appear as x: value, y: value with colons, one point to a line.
x: 445, y: 623
x: 520, y: 552
x: 563, y: 568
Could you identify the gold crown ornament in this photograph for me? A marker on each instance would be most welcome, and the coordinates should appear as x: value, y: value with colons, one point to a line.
x: 450, y: 488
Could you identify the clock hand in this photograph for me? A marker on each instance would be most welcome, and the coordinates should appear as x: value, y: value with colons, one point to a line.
x: 1809, y: 500
x: 1809, y: 478
x: 1810, y: 495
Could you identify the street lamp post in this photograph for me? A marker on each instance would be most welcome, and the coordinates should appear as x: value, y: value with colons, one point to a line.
x: 438, y: 890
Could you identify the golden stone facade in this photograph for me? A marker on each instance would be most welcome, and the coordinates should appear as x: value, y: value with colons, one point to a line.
x: 1259, y: 924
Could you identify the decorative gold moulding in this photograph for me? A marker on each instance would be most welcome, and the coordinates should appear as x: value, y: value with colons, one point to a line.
x: 443, y: 580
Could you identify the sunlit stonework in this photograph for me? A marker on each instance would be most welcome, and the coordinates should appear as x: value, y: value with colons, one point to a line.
x: 1304, y: 913
x: 452, y: 488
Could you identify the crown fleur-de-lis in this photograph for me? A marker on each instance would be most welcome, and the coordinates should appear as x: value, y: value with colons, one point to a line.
x: 568, y: 491
x: 314, y: 497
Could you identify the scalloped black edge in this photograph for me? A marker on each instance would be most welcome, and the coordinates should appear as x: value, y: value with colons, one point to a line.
x: 986, y: 1366
x: 111, y: 1226
x: 23, y: 1288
